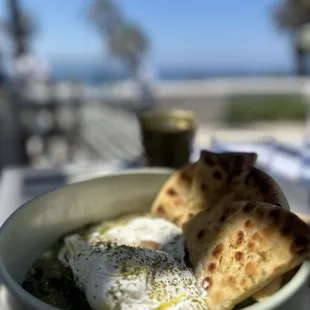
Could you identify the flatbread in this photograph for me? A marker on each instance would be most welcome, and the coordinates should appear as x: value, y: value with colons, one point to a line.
x: 262, y: 187
x: 239, y: 181
x: 232, y: 177
x: 238, y: 249
x: 219, y: 176
x: 201, y: 185
x: 215, y: 178
x: 259, y: 186
x: 173, y: 198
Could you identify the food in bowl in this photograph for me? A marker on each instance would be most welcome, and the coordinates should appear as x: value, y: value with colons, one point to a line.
x: 135, y: 262
x: 219, y: 234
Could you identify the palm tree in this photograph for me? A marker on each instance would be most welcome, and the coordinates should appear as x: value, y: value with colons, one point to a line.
x: 20, y: 27
x: 126, y: 41
x: 106, y: 16
x: 292, y: 16
x: 130, y: 45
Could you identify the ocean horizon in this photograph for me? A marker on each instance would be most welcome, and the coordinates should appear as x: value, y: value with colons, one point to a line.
x: 97, y: 75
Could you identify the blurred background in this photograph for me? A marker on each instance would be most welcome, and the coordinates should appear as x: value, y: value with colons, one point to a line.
x: 75, y: 74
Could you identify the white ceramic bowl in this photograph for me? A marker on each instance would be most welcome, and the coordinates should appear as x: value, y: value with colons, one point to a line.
x: 38, y: 223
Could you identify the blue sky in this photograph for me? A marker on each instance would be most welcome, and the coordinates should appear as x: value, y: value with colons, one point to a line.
x: 185, y: 33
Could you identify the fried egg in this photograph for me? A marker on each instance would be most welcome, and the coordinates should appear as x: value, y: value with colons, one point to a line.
x: 126, y: 277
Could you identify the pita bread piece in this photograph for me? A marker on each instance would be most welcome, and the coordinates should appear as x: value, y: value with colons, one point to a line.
x: 259, y: 186
x: 242, y: 181
x: 201, y: 185
x: 218, y: 176
x: 232, y: 174
x: 173, y: 199
x: 237, y: 250
x: 239, y: 181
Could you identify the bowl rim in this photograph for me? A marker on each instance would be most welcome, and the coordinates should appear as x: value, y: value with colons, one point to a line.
x: 289, y: 289
x: 16, y: 289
